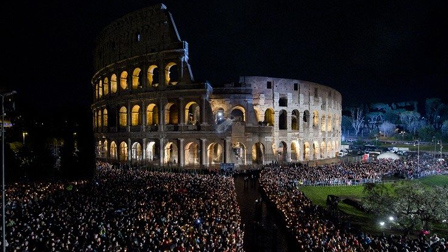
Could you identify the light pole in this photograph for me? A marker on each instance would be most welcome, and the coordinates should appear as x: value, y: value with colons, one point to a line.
x: 24, y: 134
x: 434, y: 140
x: 418, y: 157
x: 3, y: 168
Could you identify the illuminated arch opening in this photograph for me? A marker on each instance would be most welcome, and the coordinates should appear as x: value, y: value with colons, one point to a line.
x: 316, y: 150
x: 192, y: 113
x: 136, y: 83
x: 100, y: 119
x: 258, y: 151
x: 123, y: 151
x: 152, y: 114
x: 153, y: 76
x: 315, y: 119
x: 323, y: 124
x: 295, y: 120
x: 123, y: 117
x: 306, y: 151
x: 124, y: 80
x: 113, y: 83
x: 105, y: 118
x: 113, y: 150
x: 192, y: 154
x: 295, y: 150
x: 136, y: 152
x: 239, y: 151
x: 136, y: 116
x: 238, y: 114
x: 269, y: 117
x: 171, y: 114
x: 152, y: 152
x: 106, y: 86
x: 215, y: 153
x: 171, y: 74
x: 100, y: 89
x: 171, y: 153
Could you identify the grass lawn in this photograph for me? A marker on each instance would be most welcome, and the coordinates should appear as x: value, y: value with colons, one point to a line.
x: 368, y: 222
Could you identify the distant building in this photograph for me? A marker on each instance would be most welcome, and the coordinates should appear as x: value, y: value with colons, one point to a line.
x: 149, y: 111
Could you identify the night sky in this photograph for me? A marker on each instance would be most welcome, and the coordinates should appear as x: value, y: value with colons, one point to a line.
x: 370, y: 51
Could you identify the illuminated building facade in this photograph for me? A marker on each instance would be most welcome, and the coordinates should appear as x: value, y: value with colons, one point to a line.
x: 149, y: 111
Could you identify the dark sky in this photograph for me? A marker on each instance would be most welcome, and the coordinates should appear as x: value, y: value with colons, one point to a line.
x: 370, y: 51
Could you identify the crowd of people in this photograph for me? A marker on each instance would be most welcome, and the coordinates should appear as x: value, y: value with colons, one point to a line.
x: 315, y: 227
x: 125, y: 210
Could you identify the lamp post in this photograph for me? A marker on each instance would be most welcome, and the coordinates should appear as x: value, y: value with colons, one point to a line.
x: 24, y: 134
x: 418, y: 157
x: 434, y: 140
x: 3, y: 168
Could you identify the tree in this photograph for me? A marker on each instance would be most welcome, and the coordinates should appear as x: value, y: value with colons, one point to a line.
x: 410, y: 120
x: 387, y: 128
x: 445, y: 128
x: 413, y: 205
x: 357, y: 119
x: 346, y: 124
x: 433, y: 107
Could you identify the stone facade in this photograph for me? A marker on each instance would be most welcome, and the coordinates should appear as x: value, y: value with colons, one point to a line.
x: 149, y: 111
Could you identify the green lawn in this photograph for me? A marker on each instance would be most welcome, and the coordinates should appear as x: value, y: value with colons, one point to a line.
x: 368, y: 222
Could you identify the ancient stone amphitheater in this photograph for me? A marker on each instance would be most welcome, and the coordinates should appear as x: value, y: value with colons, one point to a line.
x: 149, y: 111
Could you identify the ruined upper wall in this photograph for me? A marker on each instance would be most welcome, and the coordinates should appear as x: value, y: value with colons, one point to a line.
x: 299, y: 93
x: 145, y: 31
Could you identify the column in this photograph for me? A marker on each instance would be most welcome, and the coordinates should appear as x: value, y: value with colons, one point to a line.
x: 203, y: 161
x: 143, y: 116
x: 181, y: 150
x: 203, y: 111
x: 181, y: 112
x: 227, y: 149
x: 161, y: 114
x: 162, y: 152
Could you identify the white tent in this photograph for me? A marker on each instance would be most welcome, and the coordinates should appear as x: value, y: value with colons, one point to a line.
x: 388, y: 155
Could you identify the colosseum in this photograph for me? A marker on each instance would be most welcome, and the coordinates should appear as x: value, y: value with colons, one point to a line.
x: 149, y: 111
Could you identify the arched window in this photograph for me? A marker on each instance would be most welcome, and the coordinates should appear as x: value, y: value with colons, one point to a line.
x: 269, y: 117
x: 113, y: 150
x: 136, y: 118
x: 95, y: 119
x: 106, y: 86
x: 136, y: 78
x: 123, y: 116
x: 105, y: 119
x: 96, y: 91
x: 100, y: 119
x: 137, y: 152
x: 152, y: 115
x: 124, y: 80
x: 170, y: 76
x: 123, y: 151
x: 100, y: 89
x: 153, y: 76
x: 283, y: 120
x: 315, y: 119
x: 113, y: 83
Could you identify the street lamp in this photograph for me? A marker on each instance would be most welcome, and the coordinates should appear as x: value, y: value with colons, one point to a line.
x: 24, y: 134
x: 3, y: 168
x: 418, y: 157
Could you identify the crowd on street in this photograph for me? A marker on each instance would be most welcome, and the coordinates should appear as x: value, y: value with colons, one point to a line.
x: 125, y: 210
x: 315, y: 228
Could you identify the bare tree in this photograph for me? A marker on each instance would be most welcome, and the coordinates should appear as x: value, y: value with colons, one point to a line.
x: 357, y: 119
x: 410, y: 120
x: 387, y: 128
